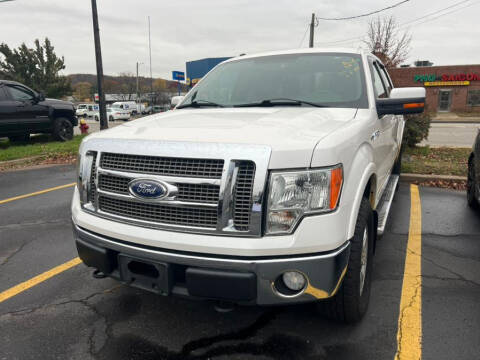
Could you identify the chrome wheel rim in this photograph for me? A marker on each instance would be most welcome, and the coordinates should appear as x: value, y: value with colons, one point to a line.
x: 363, y: 260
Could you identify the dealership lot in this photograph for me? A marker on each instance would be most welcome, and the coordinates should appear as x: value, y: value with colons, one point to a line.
x: 71, y: 315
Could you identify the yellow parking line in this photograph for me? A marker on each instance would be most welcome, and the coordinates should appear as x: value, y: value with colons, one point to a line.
x: 36, y: 193
x: 17, y: 289
x: 409, y: 335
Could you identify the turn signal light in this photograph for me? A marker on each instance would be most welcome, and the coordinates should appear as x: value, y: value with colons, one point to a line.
x: 336, y: 180
x: 413, y: 105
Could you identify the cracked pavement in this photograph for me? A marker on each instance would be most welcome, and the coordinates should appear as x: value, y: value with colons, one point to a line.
x: 73, y: 316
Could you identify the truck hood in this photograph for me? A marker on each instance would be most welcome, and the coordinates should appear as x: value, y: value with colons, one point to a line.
x: 290, y: 132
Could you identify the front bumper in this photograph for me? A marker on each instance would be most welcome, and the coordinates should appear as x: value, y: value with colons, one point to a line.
x: 243, y: 280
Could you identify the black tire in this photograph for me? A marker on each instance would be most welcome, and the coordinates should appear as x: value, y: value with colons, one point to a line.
x: 471, y: 185
x: 85, y: 115
x: 350, y: 303
x: 397, y: 166
x: 19, y: 138
x: 111, y: 118
x: 62, y: 129
x: 96, y: 118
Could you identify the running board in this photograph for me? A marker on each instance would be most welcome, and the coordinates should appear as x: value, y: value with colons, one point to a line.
x: 383, y: 208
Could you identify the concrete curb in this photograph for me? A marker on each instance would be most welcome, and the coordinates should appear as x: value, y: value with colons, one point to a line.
x: 425, y: 177
x: 20, y: 161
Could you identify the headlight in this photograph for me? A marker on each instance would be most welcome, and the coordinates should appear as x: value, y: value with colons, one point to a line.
x: 295, y: 194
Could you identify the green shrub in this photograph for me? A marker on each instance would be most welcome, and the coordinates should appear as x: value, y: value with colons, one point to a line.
x: 416, y: 128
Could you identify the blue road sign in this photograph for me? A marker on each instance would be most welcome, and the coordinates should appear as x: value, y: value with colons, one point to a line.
x: 178, y: 75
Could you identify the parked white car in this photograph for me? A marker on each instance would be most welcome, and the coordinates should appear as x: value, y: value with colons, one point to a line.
x: 131, y: 106
x: 81, y: 110
x: 117, y: 114
x: 268, y: 184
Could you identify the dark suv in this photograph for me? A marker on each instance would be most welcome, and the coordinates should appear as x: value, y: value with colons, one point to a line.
x: 473, y: 182
x: 23, y: 111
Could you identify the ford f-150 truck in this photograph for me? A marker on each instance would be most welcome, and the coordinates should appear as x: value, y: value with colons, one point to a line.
x: 268, y: 184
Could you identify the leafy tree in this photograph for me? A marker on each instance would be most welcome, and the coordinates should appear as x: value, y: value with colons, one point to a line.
x: 385, y: 40
x: 36, y: 67
x: 82, y: 91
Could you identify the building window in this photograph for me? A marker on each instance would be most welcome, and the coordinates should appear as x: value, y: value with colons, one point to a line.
x: 473, y: 98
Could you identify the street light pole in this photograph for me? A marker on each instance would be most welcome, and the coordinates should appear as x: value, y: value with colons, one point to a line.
x: 98, y: 57
x: 137, y: 85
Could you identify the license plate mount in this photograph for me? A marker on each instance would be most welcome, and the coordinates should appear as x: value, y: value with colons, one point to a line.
x: 144, y: 274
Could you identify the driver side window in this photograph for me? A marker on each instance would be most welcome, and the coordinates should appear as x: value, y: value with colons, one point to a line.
x: 378, y: 85
x: 20, y: 93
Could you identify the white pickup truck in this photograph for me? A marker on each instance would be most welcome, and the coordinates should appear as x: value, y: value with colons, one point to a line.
x: 268, y: 184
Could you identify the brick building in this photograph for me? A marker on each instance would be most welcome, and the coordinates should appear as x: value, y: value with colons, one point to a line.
x: 449, y: 88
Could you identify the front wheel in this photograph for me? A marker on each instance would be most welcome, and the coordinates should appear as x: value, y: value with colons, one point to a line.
x: 472, y: 195
x: 111, y: 118
x: 62, y: 129
x: 350, y: 303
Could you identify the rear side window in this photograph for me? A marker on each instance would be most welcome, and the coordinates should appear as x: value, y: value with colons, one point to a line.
x: 3, y: 94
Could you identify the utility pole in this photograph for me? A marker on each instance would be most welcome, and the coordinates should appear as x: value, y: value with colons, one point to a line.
x: 98, y: 56
x: 150, y: 51
x: 137, y: 87
x: 312, y: 26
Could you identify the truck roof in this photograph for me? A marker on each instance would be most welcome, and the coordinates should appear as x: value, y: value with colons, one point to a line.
x: 10, y: 82
x: 299, y: 51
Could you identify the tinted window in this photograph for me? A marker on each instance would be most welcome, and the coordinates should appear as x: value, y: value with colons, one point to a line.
x: 3, y: 94
x: 19, y: 93
x: 330, y: 79
x: 380, y: 90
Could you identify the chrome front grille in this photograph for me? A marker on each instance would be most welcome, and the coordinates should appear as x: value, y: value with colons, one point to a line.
x: 168, y: 166
x: 205, y: 194
x: 202, y: 193
x: 155, y: 213
x: 242, y: 195
x: 93, y: 175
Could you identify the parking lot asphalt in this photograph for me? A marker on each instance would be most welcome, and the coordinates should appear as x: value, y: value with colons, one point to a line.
x: 73, y: 316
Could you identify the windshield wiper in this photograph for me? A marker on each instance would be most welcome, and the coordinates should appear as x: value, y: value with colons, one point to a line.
x: 199, y: 103
x: 280, y: 101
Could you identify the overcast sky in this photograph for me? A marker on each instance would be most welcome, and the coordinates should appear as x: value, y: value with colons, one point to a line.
x: 192, y: 29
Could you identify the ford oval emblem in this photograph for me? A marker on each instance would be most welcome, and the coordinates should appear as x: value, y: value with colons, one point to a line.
x: 147, y: 189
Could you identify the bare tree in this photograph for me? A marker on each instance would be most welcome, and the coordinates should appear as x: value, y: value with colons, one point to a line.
x: 387, y: 42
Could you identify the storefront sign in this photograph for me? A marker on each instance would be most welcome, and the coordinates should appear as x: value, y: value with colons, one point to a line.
x: 446, y: 77
x: 446, y: 83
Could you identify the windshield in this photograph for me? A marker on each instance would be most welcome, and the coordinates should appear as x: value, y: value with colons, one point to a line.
x: 82, y: 106
x: 325, y: 79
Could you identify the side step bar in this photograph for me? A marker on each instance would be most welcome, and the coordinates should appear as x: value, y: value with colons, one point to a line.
x: 385, y: 203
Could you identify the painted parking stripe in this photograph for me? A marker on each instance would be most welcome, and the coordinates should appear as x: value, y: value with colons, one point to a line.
x: 17, y: 289
x: 409, y: 335
x: 36, y: 193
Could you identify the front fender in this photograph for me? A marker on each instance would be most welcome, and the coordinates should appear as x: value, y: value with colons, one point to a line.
x: 362, y: 170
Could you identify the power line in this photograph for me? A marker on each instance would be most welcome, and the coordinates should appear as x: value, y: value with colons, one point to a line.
x: 305, y: 34
x: 405, y: 24
x: 364, y: 15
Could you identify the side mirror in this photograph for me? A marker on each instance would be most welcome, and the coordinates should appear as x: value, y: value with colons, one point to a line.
x: 40, y: 97
x: 402, y: 101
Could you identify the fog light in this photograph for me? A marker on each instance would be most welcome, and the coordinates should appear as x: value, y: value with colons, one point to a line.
x: 294, y: 280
